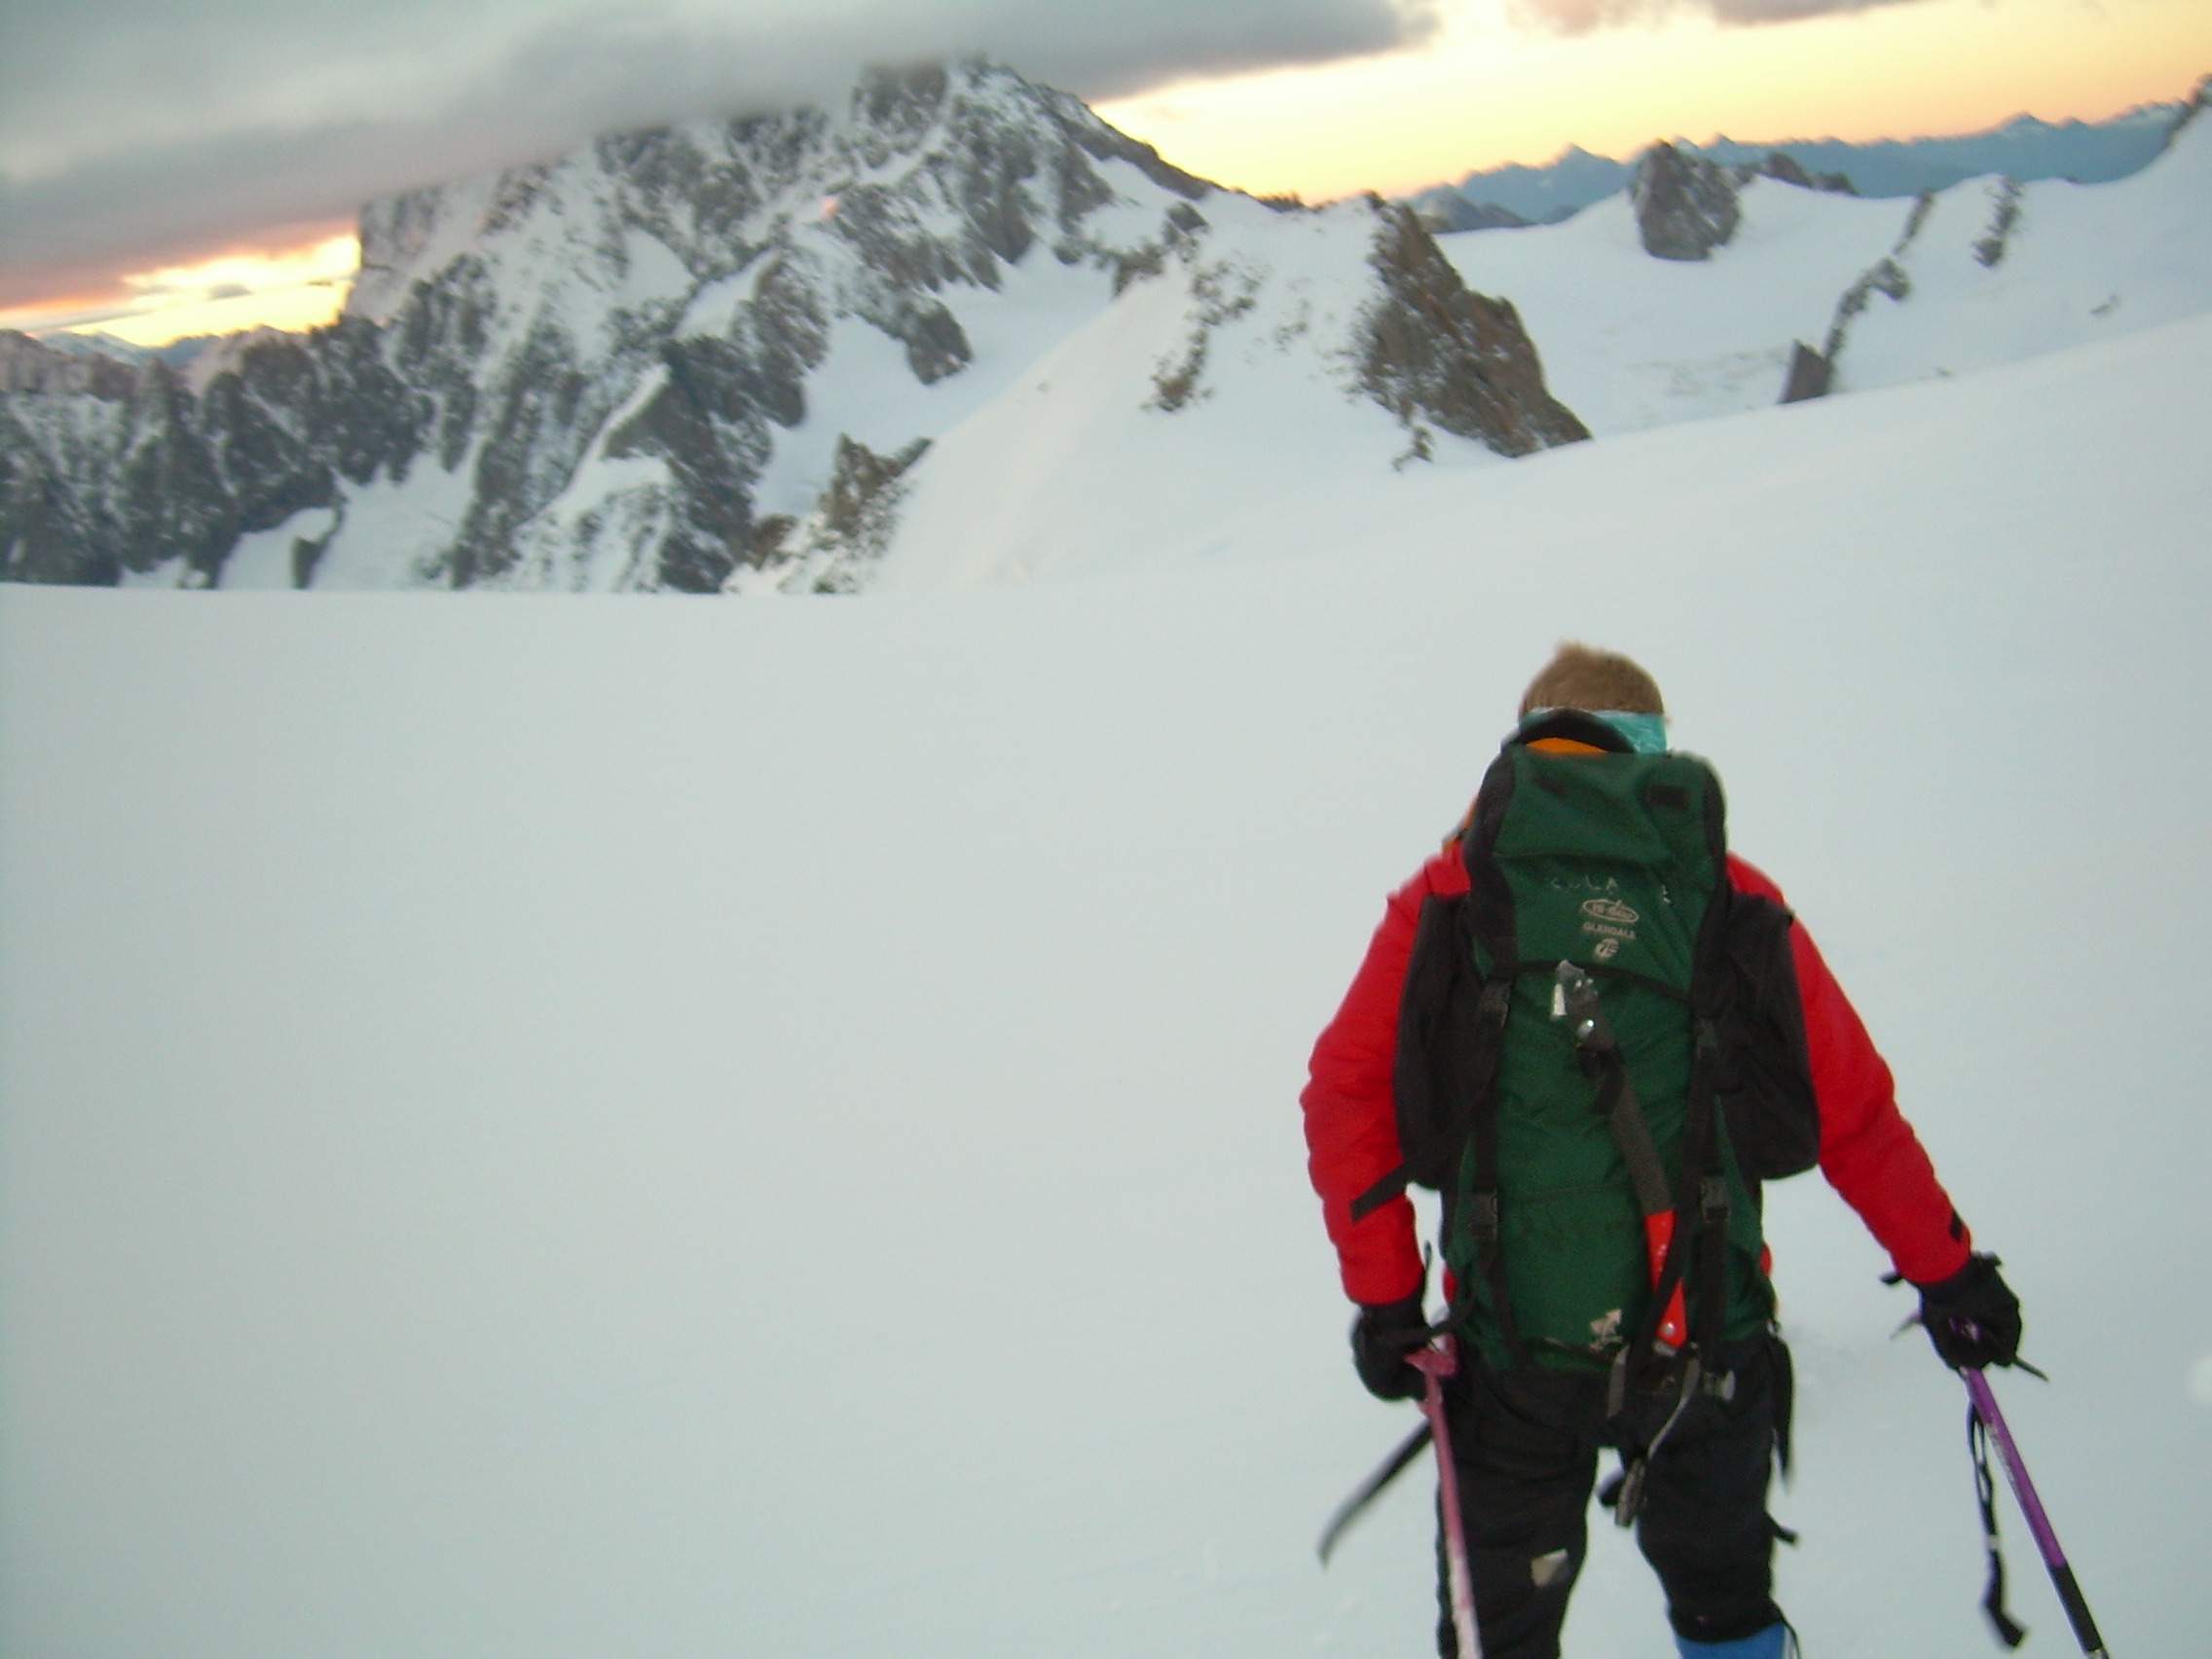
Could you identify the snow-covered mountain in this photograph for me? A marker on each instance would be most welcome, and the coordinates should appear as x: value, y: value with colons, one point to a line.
x: 685, y: 354
x: 1775, y: 291
x: 1697, y: 292
x: 951, y: 333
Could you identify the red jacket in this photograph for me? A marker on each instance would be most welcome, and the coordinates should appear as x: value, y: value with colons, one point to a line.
x: 1868, y: 1152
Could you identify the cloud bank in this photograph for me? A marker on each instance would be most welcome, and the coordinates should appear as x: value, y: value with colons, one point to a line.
x: 1587, y: 17
x: 135, y: 132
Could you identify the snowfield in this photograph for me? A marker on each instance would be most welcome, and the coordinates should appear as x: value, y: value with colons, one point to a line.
x: 554, y: 1128
x: 1988, y: 272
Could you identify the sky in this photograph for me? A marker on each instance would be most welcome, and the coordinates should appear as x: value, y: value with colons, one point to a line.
x: 179, y: 167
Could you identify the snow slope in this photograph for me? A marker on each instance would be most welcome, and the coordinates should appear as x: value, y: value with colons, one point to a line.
x: 1099, y: 459
x: 1077, y: 467
x: 1999, y: 271
x: 534, y: 1129
x: 1988, y: 272
x: 1630, y: 342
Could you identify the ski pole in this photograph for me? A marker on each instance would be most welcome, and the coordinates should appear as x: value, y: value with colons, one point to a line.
x: 2031, y: 1506
x: 1436, y: 1363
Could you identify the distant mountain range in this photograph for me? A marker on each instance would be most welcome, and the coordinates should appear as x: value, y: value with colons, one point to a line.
x: 2023, y: 149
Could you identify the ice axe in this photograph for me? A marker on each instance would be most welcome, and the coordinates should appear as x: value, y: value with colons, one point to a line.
x: 1436, y: 1362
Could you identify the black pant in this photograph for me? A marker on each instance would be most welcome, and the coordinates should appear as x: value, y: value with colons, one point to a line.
x: 1526, y: 1443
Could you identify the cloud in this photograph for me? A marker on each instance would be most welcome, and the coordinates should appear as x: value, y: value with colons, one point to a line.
x: 1587, y: 17
x: 135, y: 132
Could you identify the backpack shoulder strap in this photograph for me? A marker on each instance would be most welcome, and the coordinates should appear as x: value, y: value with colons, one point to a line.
x: 1494, y: 945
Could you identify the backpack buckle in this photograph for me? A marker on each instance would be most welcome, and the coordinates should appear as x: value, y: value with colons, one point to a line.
x: 1495, y: 1002
x: 1712, y: 1198
x: 1481, y: 1217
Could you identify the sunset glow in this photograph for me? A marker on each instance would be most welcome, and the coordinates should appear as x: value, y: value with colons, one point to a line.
x: 296, y: 287
x: 1487, y: 93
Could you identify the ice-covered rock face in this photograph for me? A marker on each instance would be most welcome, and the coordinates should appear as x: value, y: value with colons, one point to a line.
x: 577, y: 373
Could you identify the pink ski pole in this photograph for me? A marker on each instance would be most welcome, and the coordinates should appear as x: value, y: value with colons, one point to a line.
x: 1436, y: 1363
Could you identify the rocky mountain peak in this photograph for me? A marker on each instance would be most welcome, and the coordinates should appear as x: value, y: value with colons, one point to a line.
x: 29, y: 365
x: 1686, y: 206
x: 659, y: 360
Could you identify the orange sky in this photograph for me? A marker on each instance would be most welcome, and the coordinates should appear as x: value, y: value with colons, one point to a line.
x: 1485, y: 95
x: 1482, y: 94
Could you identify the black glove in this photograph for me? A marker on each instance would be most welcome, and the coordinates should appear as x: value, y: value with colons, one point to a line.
x: 1380, y: 1339
x: 1973, y: 1317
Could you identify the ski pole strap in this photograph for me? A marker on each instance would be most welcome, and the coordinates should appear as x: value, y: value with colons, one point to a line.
x: 2010, y: 1630
x: 2062, y: 1578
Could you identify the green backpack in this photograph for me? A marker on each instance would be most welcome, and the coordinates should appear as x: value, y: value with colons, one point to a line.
x: 1601, y: 1055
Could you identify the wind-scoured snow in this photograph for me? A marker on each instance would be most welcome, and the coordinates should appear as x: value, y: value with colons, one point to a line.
x: 549, y: 1128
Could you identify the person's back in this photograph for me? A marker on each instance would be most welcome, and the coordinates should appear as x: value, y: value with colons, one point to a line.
x: 1594, y: 1029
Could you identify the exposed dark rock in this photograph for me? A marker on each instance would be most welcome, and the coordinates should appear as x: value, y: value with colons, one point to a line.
x: 2003, y: 219
x: 1916, y: 221
x: 851, y: 528
x: 1808, y: 376
x: 1686, y: 206
x: 1788, y: 170
x: 1178, y: 227
x: 1884, y: 277
x: 665, y: 297
x: 1222, y: 292
x: 937, y: 346
x: 1433, y: 352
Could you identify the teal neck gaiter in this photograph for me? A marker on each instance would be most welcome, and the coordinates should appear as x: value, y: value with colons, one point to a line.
x: 1646, y: 733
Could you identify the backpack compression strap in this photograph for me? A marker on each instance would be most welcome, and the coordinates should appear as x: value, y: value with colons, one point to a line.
x: 1618, y: 1104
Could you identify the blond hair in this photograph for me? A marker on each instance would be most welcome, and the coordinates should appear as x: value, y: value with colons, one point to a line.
x: 1582, y: 677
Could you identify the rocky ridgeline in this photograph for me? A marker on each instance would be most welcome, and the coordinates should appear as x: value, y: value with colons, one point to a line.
x: 578, y: 373
x: 1435, y: 352
x: 1687, y: 206
x: 107, y: 467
